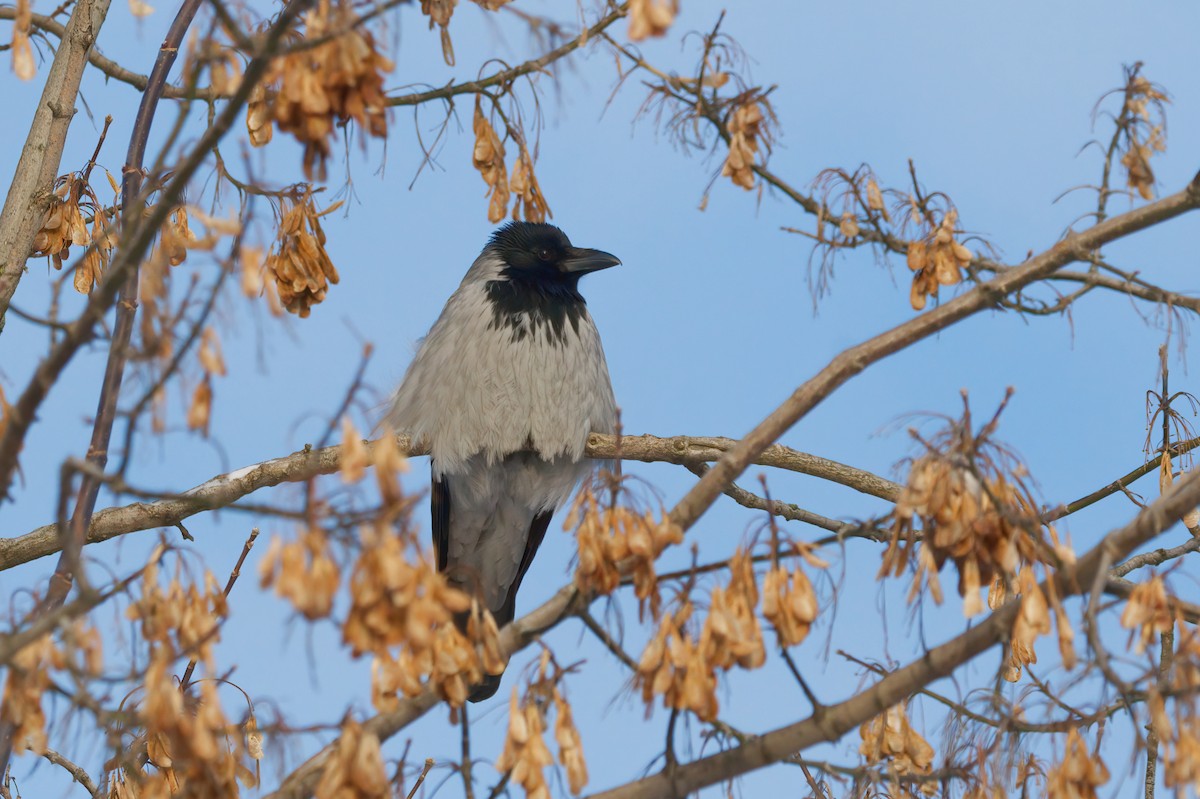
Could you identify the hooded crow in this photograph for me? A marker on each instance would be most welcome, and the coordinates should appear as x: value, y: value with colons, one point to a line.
x: 505, y: 390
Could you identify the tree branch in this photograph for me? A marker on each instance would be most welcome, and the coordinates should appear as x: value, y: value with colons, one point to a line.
x: 834, y: 721
x: 857, y: 358
x: 41, y: 158
x: 506, y: 76
x: 225, y: 489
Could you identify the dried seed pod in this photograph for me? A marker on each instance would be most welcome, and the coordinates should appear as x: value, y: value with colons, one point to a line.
x: 651, y: 18
x: 745, y: 128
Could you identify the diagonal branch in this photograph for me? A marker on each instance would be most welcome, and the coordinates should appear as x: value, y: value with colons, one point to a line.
x: 834, y: 721
x: 850, y: 362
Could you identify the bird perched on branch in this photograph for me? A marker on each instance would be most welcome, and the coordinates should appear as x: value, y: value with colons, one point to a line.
x: 505, y: 389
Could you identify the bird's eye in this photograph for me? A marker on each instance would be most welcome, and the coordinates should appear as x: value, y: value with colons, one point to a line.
x: 542, y: 254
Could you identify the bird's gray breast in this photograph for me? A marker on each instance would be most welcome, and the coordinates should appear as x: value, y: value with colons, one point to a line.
x: 495, y: 377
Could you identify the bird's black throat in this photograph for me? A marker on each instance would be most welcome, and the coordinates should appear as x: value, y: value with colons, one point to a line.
x: 534, y: 305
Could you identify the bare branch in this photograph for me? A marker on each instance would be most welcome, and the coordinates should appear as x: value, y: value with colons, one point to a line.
x: 225, y: 489
x: 506, y: 76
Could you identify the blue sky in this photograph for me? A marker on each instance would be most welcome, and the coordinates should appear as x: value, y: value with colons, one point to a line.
x: 709, y: 323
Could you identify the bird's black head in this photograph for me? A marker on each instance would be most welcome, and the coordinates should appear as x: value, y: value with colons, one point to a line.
x: 535, y: 252
x: 538, y: 285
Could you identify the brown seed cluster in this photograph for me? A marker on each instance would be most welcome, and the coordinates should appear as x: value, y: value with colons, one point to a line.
x: 968, y: 498
x: 610, y: 537
x: 1144, y: 126
x: 405, y: 606
x: 65, y: 226
x: 331, y: 84
x: 937, y: 261
x: 195, y: 750
x: 439, y: 13
x: 224, y: 67
x: 303, y: 572
x: 789, y: 603
x: 875, y: 203
x: 732, y: 634
x: 213, y: 365
x: 355, y: 769
x: 28, y: 678
x: 673, y: 666
x: 488, y: 158
x: 22, y: 50
x: 1032, y: 622
x: 298, y: 261
x: 157, y: 318
x: 745, y: 127
x: 890, y: 739
x: 1147, y: 613
x: 530, y: 202
x: 525, y: 755
x: 1079, y: 774
x: 178, y: 620
x: 685, y: 657
x: 979, y: 525
x: 651, y: 18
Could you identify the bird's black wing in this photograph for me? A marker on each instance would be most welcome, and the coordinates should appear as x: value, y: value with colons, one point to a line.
x: 439, y: 503
x: 537, y: 531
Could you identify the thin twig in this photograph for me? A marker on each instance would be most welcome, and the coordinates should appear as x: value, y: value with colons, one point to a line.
x: 421, y: 778
x: 186, y: 680
x: 77, y: 772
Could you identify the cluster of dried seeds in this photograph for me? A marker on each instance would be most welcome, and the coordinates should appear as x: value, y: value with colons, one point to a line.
x: 355, y: 769
x: 196, y: 751
x: 303, y: 572
x: 22, y: 50
x: 298, y: 261
x: 745, y: 127
x: 65, y: 226
x: 324, y: 86
x: 732, y: 634
x: 212, y: 363
x: 789, y: 603
x: 673, y: 666
x: 525, y: 755
x: 651, y: 18
x: 1178, y: 730
x: 28, y: 679
x: 487, y: 156
x: 1032, y: 622
x: 890, y: 738
x: 178, y: 620
x: 405, y: 606
x: 530, y: 203
x: 937, y: 261
x: 1147, y: 613
x: 1079, y: 774
x: 611, y: 537
x: 968, y: 500
x: 1141, y: 98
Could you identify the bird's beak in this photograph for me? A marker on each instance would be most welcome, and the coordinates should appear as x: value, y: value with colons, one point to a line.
x: 580, y: 261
